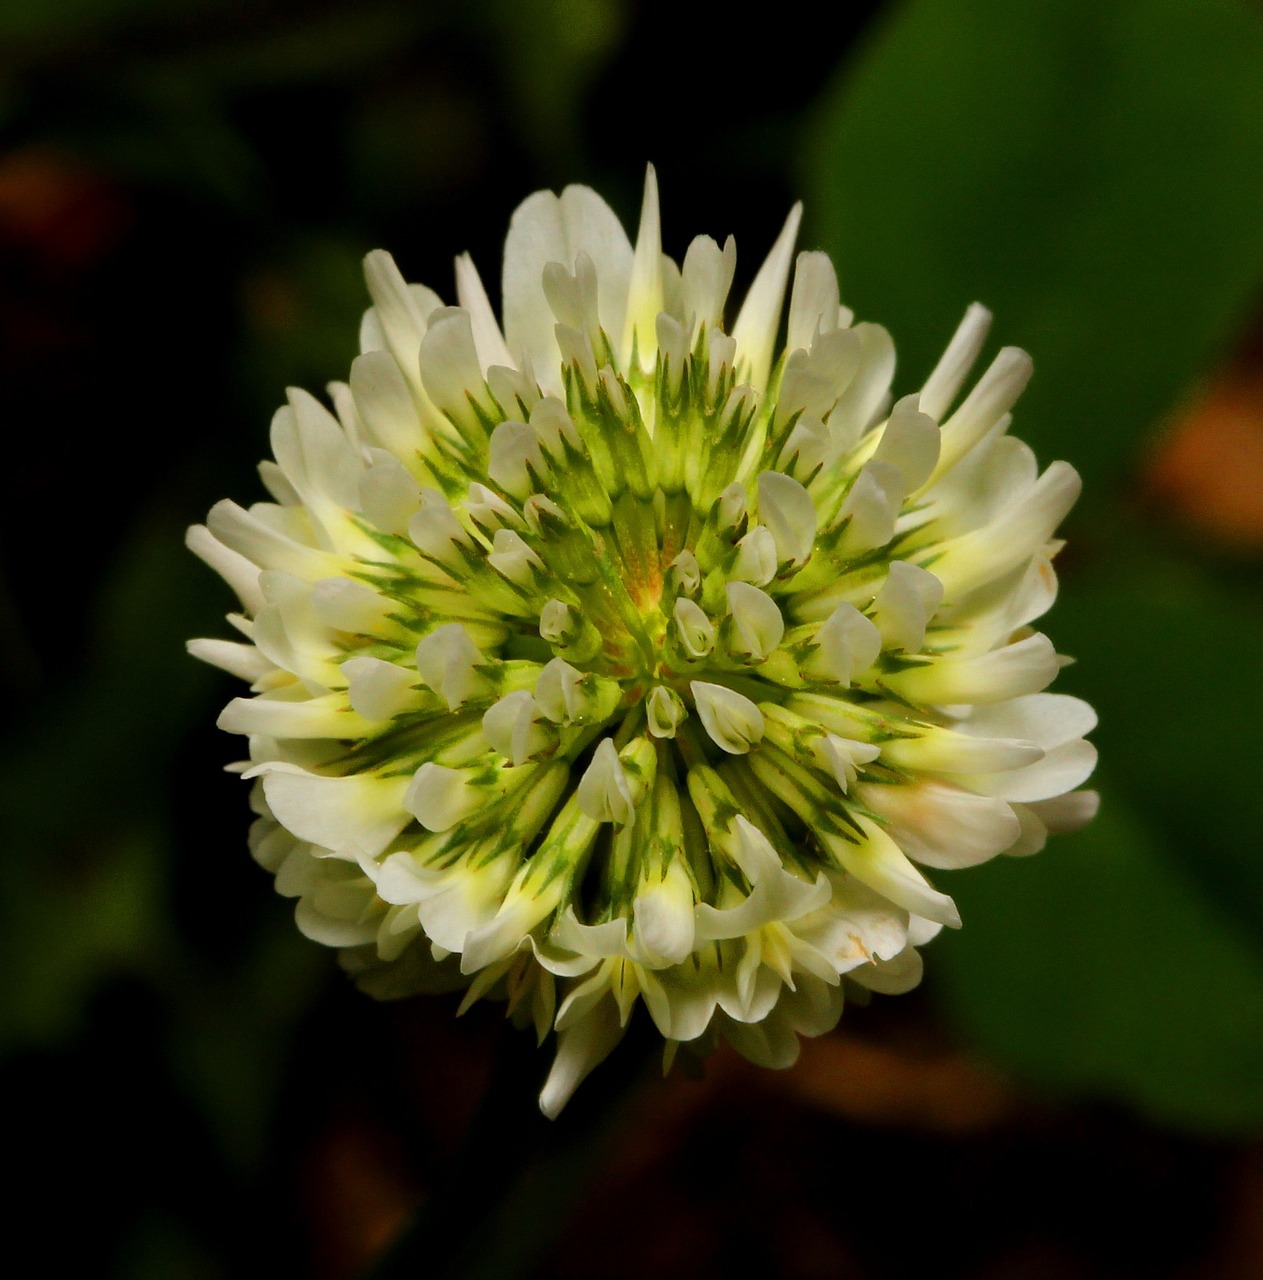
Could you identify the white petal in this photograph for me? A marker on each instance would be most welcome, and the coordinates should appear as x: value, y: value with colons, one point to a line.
x: 705, y: 281
x: 905, y: 604
x: 379, y: 690
x: 869, y: 509
x: 400, y: 311
x: 385, y: 404
x: 317, y: 458
x: 847, y: 645
x: 512, y: 556
x: 358, y: 815
x: 241, y: 660
x: 882, y: 865
x: 347, y: 605
x: 239, y: 573
x: 1017, y: 533
x: 448, y: 661
x: 1069, y: 812
x: 501, y: 718
x: 1048, y: 719
x: 604, y: 792
x: 558, y: 693
x: 547, y: 229
x: 994, y: 394
x: 756, y: 557
x: 788, y: 511
x: 760, y: 315
x: 1025, y: 666
x: 436, y: 531
x: 665, y: 711
x: 944, y: 384
x: 891, y: 977
x: 730, y: 718
x: 662, y: 916
x: 439, y: 797
x: 694, y: 628
x: 940, y: 825
x: 448, y: 360
x: 277, y: 717
x: 464, y: 901
x: 247, y: 533
x: 515, y: 452
x: 645, y: 297
x: 757, y: 622
x: 536, y: 237
x: 1062, y: 769
x: 472, y: 296
x: 844, y: 756
x: 389, y: 495
x: 814, y: 304
x: 862, y: 402
x: 580, y: 1047
x: 910, y: 442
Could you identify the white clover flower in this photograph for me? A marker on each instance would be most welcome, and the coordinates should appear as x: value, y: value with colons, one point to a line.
x: 614, y: 656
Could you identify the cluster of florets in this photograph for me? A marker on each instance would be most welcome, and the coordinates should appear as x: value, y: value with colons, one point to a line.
x: 614, y: 657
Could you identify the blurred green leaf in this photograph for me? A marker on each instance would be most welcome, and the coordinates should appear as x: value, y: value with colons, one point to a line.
x: 1171, y: 659
x: 64, y: 932
x: 21, y: 21
x: 302, y: 314
x: 232, y: 1030
x: 161, y: 1249
x: 551, y: 51
x: 1089, y: 171
x: 1097, y: 966
x: 83, y: 797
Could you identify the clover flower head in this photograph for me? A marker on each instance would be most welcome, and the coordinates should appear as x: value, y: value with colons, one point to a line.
x: 615, y: 654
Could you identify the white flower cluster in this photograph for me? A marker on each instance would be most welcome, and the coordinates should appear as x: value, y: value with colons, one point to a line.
x: 617, y: 656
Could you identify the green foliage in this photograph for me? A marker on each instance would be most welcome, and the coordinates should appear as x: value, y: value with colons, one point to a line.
x: 1100, y: 966
x: 1088, y: 171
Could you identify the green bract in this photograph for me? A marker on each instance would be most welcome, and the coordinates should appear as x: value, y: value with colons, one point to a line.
x: 619, y: 656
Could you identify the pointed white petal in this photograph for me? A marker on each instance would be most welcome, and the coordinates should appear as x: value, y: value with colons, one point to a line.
x: 580, y: 1047
x: 944, y: 384
x: 645, y: 295
x: 760, y: 316
x: 239, y: 573
x: 994, y: 394
x: 472, y: 296
x: 241, y: 660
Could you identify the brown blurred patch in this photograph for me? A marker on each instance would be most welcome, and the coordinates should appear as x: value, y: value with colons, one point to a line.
x: 1207, y: 471
x: 359, y: 1195
x: 932, y: 1091
x: 1238, y: 1252
x: 58, y: 209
